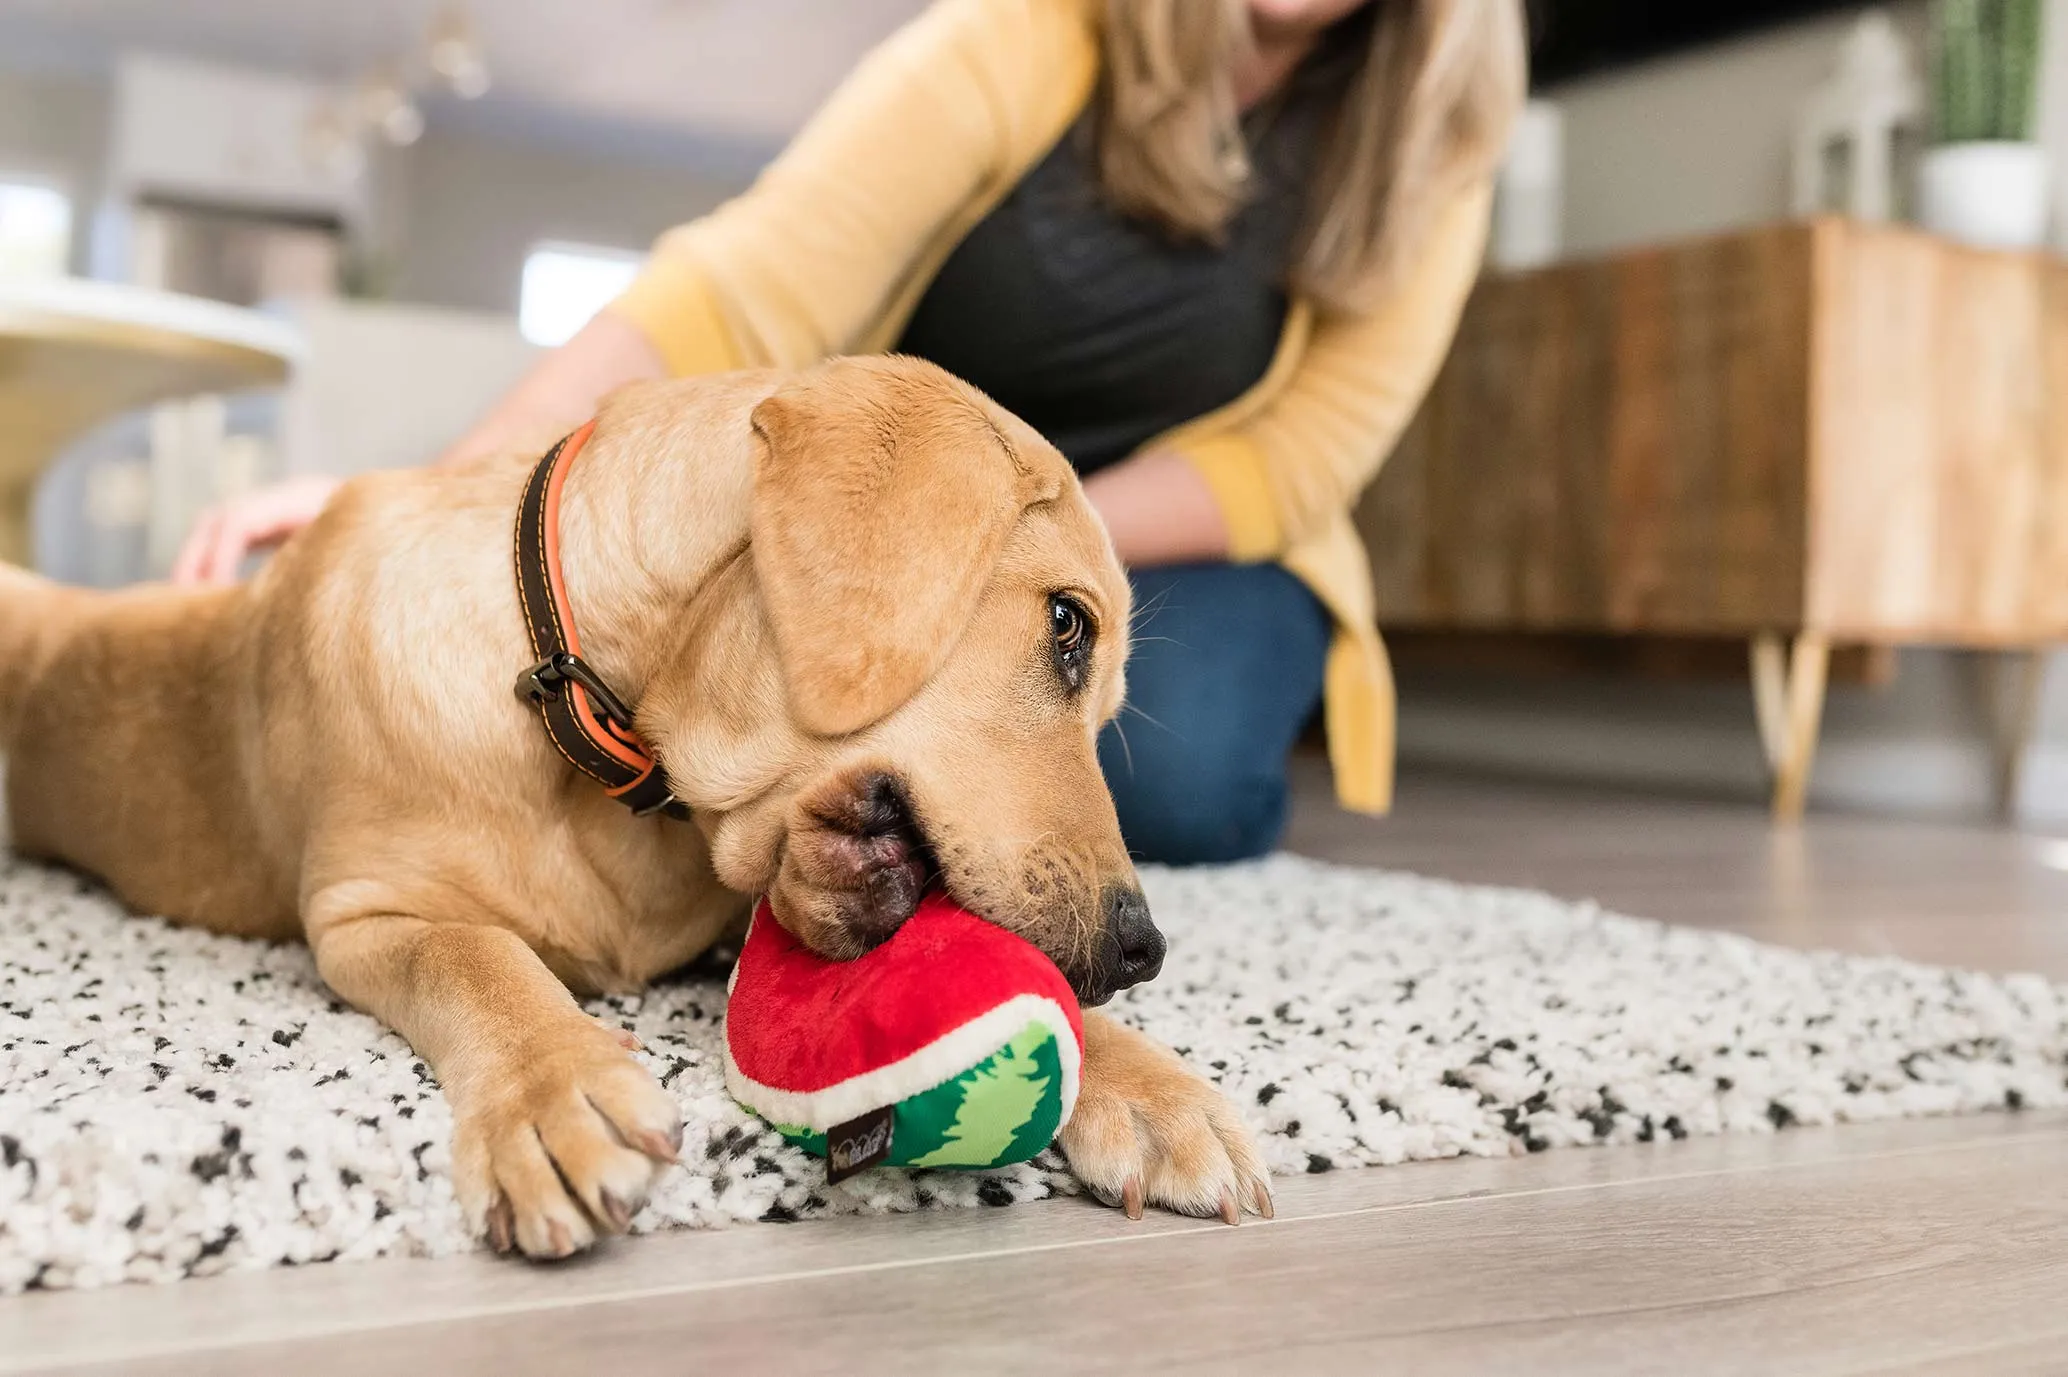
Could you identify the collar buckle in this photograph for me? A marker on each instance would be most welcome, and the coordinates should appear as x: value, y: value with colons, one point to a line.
x: 541, y: 684
x: 668, y: 807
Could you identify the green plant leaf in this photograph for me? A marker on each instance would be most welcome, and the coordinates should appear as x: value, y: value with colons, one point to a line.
x: 1985, y: 69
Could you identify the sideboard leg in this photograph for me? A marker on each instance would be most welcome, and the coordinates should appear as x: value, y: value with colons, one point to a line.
x: 1770, y: 694
x: 2023, y: 674
x: 1802, y: 719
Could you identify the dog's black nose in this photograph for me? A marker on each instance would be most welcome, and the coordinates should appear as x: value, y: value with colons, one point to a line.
x: 1134, y: 946
x: 1141, y: 944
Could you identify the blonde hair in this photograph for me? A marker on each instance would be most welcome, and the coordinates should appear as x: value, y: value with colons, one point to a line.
x: 1424, y: 113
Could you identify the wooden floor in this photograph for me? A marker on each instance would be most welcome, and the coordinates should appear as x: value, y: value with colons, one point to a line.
x: 1929, y: 1247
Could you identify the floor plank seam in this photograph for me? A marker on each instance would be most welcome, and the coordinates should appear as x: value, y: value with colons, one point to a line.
x: 1203, y: 1228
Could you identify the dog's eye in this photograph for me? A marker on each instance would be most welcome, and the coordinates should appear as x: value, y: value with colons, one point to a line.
x: 1070, y: 626
x: 1068, y: 620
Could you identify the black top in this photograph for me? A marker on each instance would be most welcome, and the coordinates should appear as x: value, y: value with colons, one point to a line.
x: 1100, y: 331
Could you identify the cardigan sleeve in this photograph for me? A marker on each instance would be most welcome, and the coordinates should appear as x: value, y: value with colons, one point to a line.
x: 799, y: 265
x: 1279, y: 474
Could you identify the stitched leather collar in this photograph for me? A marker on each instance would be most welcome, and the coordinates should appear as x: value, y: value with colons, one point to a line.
x: 589, y: 724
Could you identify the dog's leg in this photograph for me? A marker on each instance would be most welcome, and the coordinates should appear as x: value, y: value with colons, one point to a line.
x: 557, y: 1133
x: 1148, y: 1130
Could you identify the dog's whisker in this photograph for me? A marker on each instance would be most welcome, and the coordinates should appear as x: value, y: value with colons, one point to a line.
x: 1130, y: 707
x: 1149, y: 609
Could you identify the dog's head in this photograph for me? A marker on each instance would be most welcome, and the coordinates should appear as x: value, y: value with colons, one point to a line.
x: 901, y: 678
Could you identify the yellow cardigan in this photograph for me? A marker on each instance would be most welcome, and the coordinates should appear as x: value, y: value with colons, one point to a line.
x: 830, y: 250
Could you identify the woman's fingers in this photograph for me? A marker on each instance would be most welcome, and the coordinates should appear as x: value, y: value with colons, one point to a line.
x: 191, y: 562
x: 225, y: 534
x: 226, y: 551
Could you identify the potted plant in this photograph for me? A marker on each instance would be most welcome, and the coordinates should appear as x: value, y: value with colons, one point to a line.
x: 1985, y: 181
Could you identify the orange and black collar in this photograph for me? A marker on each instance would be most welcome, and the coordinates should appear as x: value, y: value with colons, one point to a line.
x: 588, y: 724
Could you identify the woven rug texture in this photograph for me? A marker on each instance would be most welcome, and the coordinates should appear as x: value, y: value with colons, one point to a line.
x: 175, y: 1104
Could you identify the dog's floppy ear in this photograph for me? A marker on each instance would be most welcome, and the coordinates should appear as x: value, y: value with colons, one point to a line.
x: 883, y: 495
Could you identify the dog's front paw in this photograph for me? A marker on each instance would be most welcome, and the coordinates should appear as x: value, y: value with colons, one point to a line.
x: 1148, y: 1131
x: 561, y: 1145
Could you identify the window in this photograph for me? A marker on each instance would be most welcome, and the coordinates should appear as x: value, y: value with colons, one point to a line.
x: 565, y: 284
x: 35, y: 230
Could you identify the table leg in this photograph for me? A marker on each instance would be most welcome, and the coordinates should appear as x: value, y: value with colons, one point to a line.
x: 2023, y: 673
x: 1770, y: 693
x: 1789, y: 698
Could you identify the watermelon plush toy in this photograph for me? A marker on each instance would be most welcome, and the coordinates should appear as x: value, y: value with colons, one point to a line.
x: 953, y: 1044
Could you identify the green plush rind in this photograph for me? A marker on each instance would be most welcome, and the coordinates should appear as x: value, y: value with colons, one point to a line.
x: 1005, y: 1109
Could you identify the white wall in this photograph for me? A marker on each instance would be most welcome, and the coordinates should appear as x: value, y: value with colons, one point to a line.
x: 1683, y: 146
x: 1694, y: 143
x: 2053, y: 111
x: 434, y: 370
x: 470, y: 207
x: 55, y: 126
x: 455, y: 214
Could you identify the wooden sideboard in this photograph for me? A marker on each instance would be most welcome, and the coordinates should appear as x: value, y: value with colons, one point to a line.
x: 1803, y: 436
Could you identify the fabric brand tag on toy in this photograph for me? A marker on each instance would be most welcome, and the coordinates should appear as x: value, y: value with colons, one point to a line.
x: 858, y: 1144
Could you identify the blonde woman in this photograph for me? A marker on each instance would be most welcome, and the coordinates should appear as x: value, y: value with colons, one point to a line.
x: 1213, y: 249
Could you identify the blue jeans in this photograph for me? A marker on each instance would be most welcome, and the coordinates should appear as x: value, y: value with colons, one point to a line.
x: 1225, y: 672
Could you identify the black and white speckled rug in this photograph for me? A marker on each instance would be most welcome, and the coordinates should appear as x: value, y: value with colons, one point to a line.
x: 174, y: 1104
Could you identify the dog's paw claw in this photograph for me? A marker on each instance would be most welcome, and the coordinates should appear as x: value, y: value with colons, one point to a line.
x: 1147, y: 1131
x: 624, y: 1037
x: 565, y: 1148
x: 501, y: 1225
x: 662, y: 1147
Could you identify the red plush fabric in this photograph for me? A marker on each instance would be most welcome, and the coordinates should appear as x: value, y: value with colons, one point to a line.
x: 800, y: 1023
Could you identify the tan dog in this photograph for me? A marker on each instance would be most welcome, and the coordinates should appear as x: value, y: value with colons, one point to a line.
x: 871, y: 627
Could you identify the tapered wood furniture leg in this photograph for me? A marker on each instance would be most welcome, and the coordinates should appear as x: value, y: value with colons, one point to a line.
x: 1770, y: 693
x: 1809, y: 664
x: 2023, y: 676
x: 1788, y: 693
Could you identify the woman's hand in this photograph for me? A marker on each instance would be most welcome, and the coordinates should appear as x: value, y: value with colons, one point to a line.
x: 1159, y: 511
x: 226, y: 533
x: 558, y: 394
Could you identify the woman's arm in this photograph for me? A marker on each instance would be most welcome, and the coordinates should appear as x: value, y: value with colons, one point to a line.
x: 1159, y: 511
x: 562, y: 389
x: 1300, y: 461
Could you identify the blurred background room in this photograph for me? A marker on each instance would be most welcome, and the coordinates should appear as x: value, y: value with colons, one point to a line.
x: 1711, y: 443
